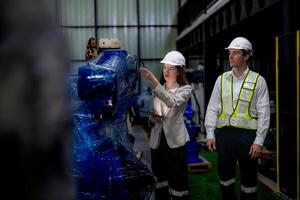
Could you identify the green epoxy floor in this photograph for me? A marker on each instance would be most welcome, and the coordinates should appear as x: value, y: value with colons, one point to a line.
x: 205, y: 186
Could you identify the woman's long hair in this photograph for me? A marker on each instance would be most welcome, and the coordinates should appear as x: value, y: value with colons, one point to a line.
x: 181, y: 78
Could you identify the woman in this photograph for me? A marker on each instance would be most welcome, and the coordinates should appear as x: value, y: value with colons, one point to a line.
x: 169, y: 134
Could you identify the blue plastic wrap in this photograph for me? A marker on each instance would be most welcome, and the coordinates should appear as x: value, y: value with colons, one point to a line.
x: 95, y: 82
x: 105, y: 165
x: 126, y: 87
x: 193, y: 147
x: 97, y: 87
x: 107, y: 83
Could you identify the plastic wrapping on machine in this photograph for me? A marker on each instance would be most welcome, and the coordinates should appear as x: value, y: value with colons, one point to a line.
x: 108, y: 82
x: 97, y: 87
x: 193, y: 147
x: 105, y: 166
x: 95, y: 82
x: 126, y: 85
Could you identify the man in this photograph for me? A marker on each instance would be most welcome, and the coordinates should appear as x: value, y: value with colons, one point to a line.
x: 237, y: 120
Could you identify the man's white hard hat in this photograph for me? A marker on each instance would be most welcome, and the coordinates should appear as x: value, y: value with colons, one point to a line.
x: 174, y: 58
x: 241, y: 43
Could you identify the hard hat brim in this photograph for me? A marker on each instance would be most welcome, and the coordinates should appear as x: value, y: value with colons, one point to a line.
x: 235, y: 48
x: 171, y: 63
x: 248, y: 50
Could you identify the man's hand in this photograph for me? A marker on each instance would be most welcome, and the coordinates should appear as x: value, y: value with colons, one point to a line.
x: 255, y: 150
x: 211, y: 144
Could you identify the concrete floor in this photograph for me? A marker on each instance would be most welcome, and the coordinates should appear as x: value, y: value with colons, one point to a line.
x: 141, y: 143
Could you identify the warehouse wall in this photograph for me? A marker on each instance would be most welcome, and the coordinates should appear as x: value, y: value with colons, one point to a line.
x: 147, y: 28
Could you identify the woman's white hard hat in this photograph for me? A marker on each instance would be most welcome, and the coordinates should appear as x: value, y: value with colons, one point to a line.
x: 174, y: 58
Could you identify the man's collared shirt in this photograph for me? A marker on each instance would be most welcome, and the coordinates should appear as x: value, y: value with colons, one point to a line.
x: 260, y: 105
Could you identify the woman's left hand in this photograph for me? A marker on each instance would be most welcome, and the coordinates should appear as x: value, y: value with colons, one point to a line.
x: 149, y: 76
x: 146, y: 73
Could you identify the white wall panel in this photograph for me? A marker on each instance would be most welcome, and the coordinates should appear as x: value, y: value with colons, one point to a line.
x: 77, y: 12
x: 77, y: 39
x: 116, y: 12
x: 156, y: 41
x: 128, y: 37
x: 153, y: 12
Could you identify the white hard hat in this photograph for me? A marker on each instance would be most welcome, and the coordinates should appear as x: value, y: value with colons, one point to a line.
x: 240, y: 43
x: 174, y: 58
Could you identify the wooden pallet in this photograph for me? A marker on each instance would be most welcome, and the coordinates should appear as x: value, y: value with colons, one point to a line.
x: 204, y: 166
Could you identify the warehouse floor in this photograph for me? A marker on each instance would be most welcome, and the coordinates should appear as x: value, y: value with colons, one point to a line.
x: 141, y: 143
x: 202, y: 185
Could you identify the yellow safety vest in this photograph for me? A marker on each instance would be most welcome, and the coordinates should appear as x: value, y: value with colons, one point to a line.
x: 239, y: 116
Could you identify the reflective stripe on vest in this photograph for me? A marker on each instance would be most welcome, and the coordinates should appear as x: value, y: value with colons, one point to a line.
x: 239, y: 116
